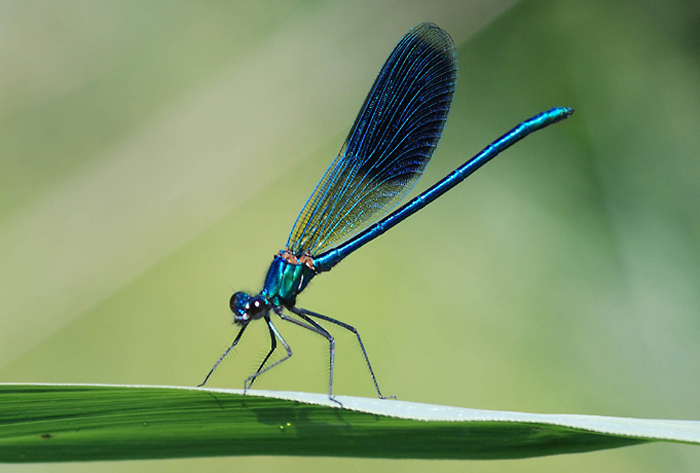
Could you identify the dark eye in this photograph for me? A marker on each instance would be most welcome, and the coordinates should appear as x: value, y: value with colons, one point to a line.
x: 257, y: 307
x: 238, y: 302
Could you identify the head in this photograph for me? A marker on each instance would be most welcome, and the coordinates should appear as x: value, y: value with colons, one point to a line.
x: 246, y: 307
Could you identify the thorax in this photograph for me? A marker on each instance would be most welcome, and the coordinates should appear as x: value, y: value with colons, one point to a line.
x: 288, y: 276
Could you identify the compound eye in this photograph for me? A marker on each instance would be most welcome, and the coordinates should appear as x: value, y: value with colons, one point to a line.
x: 257, y: 307
x: 239, y: 303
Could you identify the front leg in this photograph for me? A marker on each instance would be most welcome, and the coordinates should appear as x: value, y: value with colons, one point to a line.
x: 221, y: 358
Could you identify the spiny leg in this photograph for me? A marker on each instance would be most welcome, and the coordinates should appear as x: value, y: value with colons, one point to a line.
x: 273, y: 333
x: 352, y: 329
x: 316, y: 328
x: 216, y: 365
x: 273, y: 346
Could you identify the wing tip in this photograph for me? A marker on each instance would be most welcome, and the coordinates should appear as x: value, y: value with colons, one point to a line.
x: 435, y: 37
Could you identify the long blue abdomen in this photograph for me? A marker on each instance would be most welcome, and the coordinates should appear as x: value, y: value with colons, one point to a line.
x: 329, y: 259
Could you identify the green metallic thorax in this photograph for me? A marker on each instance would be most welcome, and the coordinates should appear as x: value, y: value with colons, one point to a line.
x: 285, y: 280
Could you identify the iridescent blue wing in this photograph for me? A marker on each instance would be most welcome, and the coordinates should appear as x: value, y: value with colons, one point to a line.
x: 389, y: 145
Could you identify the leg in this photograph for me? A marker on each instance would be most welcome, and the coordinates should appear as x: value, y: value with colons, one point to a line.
x: 235, y: 342
x: 352, y: 329
x: 273, y: 346
x: 316, y: 328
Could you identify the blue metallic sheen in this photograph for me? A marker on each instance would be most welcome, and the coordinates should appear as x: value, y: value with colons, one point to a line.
x: 329, y: 259
x: 388, y: 147
x: 285, y: 280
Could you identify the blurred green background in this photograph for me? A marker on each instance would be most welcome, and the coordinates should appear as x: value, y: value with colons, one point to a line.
x: 154, y: 156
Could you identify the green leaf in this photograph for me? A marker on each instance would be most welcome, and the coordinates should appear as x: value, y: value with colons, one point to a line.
x: 52, y: 423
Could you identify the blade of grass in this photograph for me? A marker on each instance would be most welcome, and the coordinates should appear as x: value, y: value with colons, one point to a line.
x: 53, y: 423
